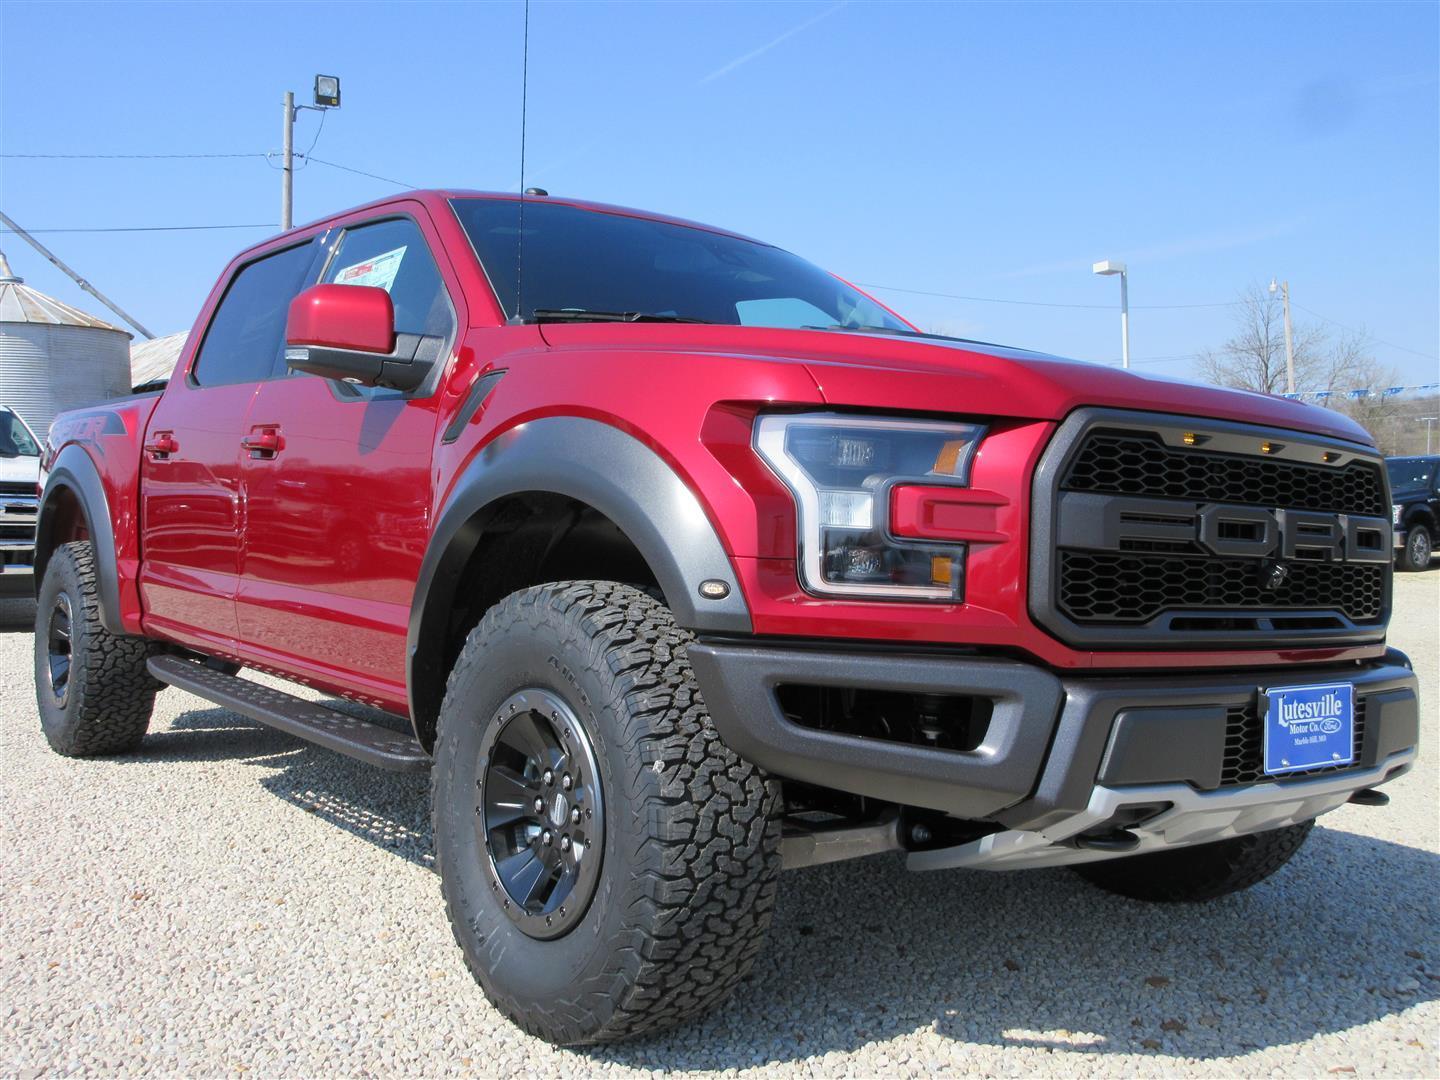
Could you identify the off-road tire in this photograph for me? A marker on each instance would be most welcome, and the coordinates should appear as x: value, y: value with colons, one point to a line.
x: 690, y: 853
x: 1418, y: 550
x: 109, y: 694
x: 1203, y: 872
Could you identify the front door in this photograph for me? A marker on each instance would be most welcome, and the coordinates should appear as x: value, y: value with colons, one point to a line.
x: 191, y: 502
x: 338, y: 498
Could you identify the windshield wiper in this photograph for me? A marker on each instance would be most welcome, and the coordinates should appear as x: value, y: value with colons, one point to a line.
x: 544, y: 315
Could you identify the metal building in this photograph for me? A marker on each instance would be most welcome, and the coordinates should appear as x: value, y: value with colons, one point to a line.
x: 151, y: 362
x: 55, y: 357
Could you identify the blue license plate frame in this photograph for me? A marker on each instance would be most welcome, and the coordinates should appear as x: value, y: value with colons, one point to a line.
x: 1308, y: 727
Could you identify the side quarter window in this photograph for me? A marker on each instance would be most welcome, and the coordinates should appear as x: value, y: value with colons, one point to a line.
x: 246, y: 335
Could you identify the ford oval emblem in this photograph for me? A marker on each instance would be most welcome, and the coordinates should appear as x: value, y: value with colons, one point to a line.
x: 1330, y: 725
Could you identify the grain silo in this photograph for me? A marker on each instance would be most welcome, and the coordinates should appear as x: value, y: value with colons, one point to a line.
x: 55, y: 357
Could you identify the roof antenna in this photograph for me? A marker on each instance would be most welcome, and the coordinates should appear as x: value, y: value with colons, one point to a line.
x: 520, y: 239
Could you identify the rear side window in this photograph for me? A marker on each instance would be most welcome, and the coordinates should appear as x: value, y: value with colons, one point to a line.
x: 392, y: 255
x: 247, y: 335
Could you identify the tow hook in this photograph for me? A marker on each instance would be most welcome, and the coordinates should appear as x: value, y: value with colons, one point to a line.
x: 1119, y: 840
x: 1370, y: 797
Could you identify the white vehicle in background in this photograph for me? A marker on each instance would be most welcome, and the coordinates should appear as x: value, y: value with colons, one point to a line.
x: 19, y: 502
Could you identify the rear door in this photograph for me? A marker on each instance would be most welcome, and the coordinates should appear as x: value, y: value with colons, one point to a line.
x: 191, y: 502
x: 338, y: 513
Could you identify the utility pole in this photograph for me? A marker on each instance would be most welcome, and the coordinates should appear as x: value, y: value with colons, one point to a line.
x: 287, y: 166
x: 1106, y: 269
x: 1284, y: 288
x: 43, y: 250
x: 327, y: 96
x: 1428, y: 421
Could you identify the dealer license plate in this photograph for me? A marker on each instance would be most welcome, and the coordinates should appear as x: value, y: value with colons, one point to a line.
x: 1309, y: 727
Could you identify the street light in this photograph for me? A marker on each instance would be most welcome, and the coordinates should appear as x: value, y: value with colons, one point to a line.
x: 1105, y: 269
x: 327, y: 96
x: 1283, y: 287
x: 1427, y: 421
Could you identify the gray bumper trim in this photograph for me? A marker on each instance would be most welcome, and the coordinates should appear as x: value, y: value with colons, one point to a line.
x: 1194, y: 817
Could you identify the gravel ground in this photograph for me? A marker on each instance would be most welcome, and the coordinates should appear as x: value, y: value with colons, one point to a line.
x: 230, y: 900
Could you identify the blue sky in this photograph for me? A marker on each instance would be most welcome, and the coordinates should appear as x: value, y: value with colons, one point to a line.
x: 985, y: 150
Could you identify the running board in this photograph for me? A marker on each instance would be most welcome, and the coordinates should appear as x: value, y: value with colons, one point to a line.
x: 370, y: 743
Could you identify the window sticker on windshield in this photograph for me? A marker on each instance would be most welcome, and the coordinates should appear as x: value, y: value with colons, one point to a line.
x: 379, y: 271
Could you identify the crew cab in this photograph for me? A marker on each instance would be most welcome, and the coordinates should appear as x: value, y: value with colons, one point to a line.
x: 1415, y: 508
x: 675, y: 561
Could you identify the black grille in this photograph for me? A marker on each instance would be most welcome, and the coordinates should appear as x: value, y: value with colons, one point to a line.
x: 1134, y: 463
x: 1245, y: 747
x: 1100, y: 587
x: 17, y: 487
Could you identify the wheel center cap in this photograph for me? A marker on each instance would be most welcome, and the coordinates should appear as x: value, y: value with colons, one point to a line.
x: 559, y: 809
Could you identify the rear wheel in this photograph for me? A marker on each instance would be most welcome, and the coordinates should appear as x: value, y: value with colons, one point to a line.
x: 94, y: 692
x: 1415, y: 555
x: 1202, y: 872
x: 608, y: 864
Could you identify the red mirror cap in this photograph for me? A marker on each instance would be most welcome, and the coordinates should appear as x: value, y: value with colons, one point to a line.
x: 358, y: 318
x: 947, y: 513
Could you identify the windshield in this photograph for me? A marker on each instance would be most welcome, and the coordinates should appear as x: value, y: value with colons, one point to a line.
x: 1410, y: 472
x: 584, y: 260
x: 15, y: 437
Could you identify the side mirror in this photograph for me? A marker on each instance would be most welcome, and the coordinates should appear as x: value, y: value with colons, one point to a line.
x: 347, y: 332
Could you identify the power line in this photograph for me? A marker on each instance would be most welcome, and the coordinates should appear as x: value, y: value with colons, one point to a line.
x: 119, y: 157
x: 151, y: 228
x: 360, y: 172
x: 1363, y: 333
x: 1041, y: 303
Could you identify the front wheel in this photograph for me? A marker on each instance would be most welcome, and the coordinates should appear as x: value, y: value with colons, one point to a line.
x: 1415, y: 555
x: 1202, y: 872
x: 609, y: 866
x: 94, y: 692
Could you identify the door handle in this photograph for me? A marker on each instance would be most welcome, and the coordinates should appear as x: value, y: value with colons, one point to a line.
x: 162, y: 445
x: 263, y: 443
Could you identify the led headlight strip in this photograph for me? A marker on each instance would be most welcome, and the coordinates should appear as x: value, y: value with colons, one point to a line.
x: 840, y: 470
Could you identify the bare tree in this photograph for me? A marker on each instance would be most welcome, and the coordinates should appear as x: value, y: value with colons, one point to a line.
x: 1254, y: 358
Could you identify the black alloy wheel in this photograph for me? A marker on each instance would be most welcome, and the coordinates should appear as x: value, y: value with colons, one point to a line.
x: 58, y: 648
x: 541, y: 814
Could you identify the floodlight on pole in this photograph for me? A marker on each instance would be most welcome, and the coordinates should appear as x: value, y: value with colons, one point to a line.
x: 327, y: 96
x: 1106, y: 269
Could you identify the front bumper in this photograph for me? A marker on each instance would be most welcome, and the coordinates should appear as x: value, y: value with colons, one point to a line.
x: 1060, y: 757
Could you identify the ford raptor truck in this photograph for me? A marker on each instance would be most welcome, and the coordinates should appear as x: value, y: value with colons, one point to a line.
x: 677, y: 561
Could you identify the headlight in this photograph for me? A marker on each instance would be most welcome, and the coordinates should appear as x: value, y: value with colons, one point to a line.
x: 1395, y: 511
x: 840, y: 470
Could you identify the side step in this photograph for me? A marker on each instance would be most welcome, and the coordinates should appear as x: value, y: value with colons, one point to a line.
x: 370, y: 743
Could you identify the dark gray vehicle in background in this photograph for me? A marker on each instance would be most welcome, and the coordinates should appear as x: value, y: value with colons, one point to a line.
x: 1415, y: 504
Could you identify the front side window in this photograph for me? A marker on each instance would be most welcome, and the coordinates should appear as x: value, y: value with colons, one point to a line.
x: 15, y: 437
x: 246, y: 337
x: 392, y: 255
x: 576, y: 261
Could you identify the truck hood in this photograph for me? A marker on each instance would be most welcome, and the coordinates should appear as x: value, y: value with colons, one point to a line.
x: 856, y: 369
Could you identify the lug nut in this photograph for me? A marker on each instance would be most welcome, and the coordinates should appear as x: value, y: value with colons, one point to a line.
x: 565, y: 843
x: 566, y: 782
x: 575, y: 816
x: 545, y: 838
x: 539, y: 806
x: 549, y: 778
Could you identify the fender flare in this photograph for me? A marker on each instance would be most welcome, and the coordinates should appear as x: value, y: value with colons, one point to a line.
x: 606, y: 469
x: 74, y: 471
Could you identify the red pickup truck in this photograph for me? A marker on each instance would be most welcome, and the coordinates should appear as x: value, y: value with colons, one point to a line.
x: 676, y: 560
